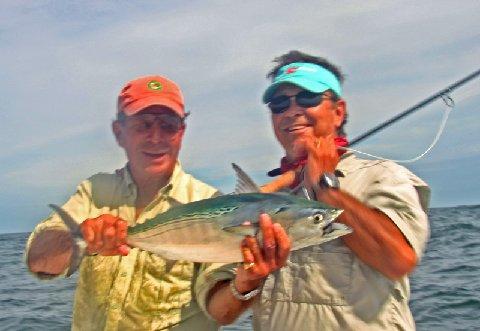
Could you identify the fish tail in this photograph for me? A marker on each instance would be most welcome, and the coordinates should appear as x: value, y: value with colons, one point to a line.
x: 79, y: 250
x: 79, y: 245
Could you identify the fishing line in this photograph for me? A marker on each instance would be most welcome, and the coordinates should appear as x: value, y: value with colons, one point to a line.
x: 468, y: 92
x: 450, y: 105
x: 444, y: 94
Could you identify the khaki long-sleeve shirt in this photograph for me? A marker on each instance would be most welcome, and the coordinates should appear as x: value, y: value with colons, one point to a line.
x: 140, y: 291
x: 327, y: 287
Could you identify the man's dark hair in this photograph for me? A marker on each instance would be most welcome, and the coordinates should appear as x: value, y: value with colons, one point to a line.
x: 297, y: 56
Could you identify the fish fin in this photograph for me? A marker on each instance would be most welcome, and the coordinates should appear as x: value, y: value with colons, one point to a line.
x: 244, y: 183
x: 79, y: 245
x: 243, y: 230
x: 69, y: 221
x: 279, y: 209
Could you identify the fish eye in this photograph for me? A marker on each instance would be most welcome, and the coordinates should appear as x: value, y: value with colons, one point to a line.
x: 317, y: 218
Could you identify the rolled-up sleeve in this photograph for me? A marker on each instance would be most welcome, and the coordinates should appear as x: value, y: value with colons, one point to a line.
x: 76, y: 206
x: 404, y: 198
x: 209, y: 275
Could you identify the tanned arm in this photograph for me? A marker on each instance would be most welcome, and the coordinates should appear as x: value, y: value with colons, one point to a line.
x: 263, y: 260
x: 375, y: 239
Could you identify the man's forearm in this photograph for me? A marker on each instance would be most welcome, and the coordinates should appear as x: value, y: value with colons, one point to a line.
x: 50, y: 252
x: 223, y: 306
x: 375, y: 239
x: 259, y: 261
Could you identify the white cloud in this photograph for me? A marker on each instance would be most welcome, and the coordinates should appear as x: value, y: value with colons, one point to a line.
x: 64, y: 63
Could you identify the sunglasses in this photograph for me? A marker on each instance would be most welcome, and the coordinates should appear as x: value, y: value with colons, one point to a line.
x: 306, y: 99
x: 143, y: 123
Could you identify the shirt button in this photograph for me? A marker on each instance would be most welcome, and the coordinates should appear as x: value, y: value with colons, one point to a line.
x: 123, y: 274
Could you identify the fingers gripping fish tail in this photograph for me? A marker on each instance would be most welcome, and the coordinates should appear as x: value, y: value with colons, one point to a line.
x: 79, y: 245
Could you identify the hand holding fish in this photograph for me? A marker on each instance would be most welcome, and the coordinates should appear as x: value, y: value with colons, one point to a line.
x: 212, y: 230
x: 258, y: 261
x: 105, y: 235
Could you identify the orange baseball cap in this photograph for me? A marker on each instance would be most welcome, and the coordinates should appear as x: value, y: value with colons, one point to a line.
x: 149, y: 91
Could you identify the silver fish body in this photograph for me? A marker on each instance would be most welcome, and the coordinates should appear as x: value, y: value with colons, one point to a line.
x: 211, y: 230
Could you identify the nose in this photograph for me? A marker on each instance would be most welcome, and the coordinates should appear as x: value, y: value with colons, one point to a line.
x: 156, y: 133
x: 294, y: 109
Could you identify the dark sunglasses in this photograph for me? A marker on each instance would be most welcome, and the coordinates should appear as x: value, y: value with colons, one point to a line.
x: 168, y: 123
x: 306, y: 99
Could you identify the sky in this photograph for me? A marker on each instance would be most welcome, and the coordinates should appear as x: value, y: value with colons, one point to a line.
x: 64, y: 63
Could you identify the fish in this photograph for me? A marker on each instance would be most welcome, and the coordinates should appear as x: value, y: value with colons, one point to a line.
x: 211, y: 230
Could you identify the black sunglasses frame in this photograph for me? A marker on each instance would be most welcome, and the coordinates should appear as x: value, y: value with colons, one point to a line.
x: 307, y: 99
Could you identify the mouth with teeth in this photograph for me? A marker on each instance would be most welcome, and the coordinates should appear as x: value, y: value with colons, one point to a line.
x: 297, y: 128
x: 156, y: 155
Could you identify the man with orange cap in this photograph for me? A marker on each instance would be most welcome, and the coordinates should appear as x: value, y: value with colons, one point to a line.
x: 123, y: 288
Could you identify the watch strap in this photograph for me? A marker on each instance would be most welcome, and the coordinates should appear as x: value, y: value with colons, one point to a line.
x: 328, y: 180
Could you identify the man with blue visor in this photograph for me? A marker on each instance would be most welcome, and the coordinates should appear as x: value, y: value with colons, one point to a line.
x: 359, y: 281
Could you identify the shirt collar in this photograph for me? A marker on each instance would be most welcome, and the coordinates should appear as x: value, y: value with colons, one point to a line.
x: 131, y: 187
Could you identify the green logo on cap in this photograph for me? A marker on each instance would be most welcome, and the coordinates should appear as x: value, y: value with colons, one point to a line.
x: 154, y: 85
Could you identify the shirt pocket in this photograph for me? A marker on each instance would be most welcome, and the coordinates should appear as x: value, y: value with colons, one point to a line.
x: 318, y: 276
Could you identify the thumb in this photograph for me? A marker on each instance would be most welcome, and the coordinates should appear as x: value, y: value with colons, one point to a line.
x: 299, y: 147
x: 123, y: 249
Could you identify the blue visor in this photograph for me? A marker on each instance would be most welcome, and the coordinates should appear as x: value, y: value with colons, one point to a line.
x: 309, y: 76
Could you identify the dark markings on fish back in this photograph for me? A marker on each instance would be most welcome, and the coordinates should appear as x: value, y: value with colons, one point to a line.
x: 185, y: 232
x: 214, y: 207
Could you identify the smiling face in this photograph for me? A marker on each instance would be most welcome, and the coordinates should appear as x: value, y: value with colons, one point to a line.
x: 296, y: 124
x: 151, y: 139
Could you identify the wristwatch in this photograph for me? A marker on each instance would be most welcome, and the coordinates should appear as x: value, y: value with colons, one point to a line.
x: 240, y: 296
x: 328, y: 180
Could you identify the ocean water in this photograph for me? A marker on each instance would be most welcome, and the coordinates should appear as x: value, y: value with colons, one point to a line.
x: 445, y: 286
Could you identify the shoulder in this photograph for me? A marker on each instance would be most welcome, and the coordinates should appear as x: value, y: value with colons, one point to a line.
x: 103, y: 177
x: 385, y: 175
x: 189, y: 188
x: 107, y: 178
x: 104, y: 186
x: 379, y: 170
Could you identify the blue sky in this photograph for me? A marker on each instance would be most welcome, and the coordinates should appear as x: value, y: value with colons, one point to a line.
x: 63, y: 64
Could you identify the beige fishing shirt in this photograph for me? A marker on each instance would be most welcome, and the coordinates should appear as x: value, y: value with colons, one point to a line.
x: 140, y: 291
x: 326, y: 287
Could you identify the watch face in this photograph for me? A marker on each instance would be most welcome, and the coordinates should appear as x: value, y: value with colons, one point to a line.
x: 329, y: 180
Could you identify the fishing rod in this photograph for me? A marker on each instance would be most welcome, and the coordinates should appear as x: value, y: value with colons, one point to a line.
x: 441, y: 94
x: 421, y: 104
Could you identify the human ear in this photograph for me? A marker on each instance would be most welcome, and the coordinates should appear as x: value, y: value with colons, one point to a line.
x: 117, y: 130
x: 340, y: 112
